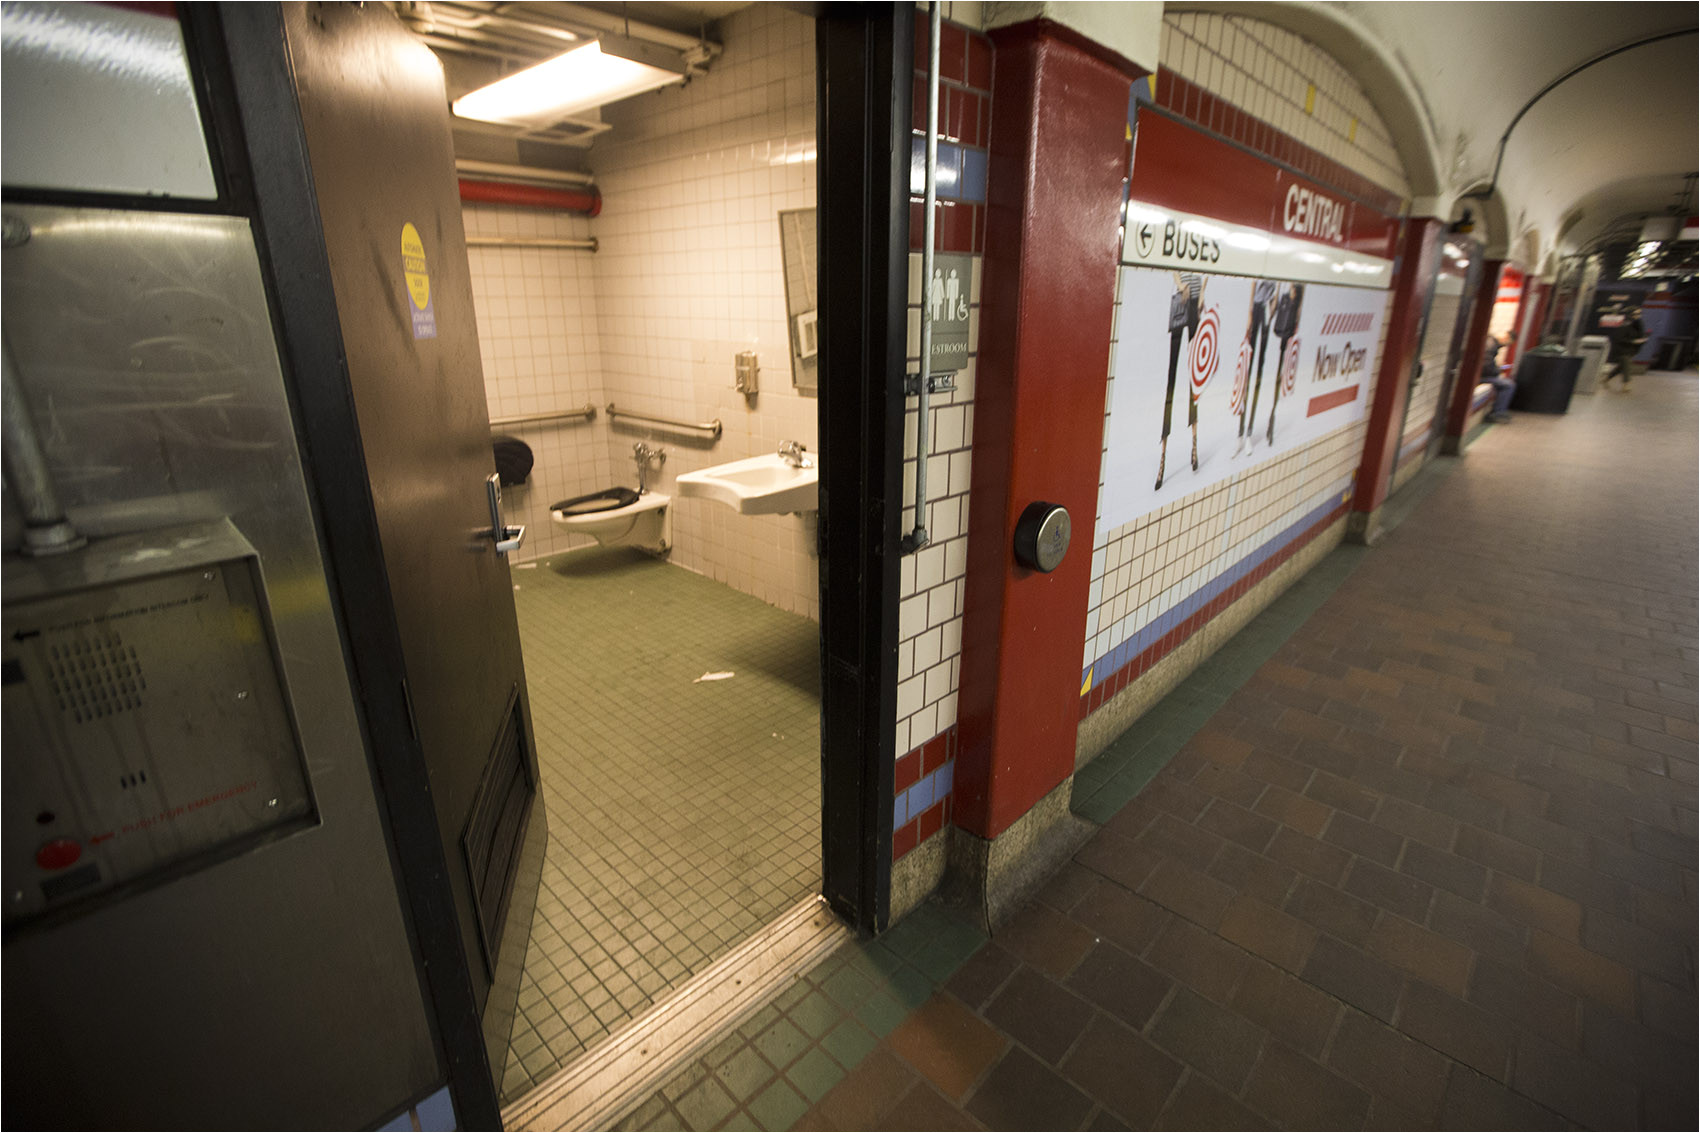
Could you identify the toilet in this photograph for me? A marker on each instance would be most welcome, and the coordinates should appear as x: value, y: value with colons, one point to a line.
x: 620, y: 517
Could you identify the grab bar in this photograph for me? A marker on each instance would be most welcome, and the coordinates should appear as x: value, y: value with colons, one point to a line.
x: 584, y: 414
x: 588, y: 244
x: 706, y: 426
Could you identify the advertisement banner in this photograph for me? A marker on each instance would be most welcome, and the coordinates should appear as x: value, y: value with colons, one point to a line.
x: 1215, y: 374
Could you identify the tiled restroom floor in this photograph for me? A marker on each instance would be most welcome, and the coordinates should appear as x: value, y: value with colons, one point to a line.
x: 683, y: 815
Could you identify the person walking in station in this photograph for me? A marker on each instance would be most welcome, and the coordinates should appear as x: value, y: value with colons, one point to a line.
x: 1630, y: 336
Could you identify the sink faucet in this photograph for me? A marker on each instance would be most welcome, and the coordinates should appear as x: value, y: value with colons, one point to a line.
x: 794, y: 454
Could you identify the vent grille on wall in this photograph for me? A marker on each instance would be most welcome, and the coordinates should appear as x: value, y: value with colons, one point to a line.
x: 496, y: 831
x: 94, y: 680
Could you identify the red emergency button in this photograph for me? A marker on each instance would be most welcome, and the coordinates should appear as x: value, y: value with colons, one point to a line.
x: 58, y: 854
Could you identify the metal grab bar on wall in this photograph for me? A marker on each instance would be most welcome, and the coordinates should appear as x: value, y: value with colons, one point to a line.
x: 588, y: 244
x: 706, y: 426
x: 583, y: 414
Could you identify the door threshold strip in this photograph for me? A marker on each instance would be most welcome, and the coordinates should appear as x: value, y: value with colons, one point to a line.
x: 599, y: 1088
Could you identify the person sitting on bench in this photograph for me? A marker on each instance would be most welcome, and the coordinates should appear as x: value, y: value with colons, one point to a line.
x: 1503, y: 387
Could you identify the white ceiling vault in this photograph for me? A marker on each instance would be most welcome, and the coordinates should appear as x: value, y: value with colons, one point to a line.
x: 1605, y: 147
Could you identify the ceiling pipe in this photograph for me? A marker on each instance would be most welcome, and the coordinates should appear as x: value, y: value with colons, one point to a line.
x: 1499, y: 159
x: 587, y: 201
x: 507, y: 172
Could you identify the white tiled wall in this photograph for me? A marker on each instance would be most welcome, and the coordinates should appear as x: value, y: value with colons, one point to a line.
x: 688, y: 274
x: 693, y: 180
x: 537, y: 336
x: 1142, y: 570
x: 929, y: 618
x: 1268, y: 72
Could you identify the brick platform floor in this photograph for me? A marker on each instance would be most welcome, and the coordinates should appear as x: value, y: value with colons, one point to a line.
x: 1432, y: 865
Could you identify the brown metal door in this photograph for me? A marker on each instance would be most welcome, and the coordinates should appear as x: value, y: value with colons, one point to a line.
x: 376, y: 124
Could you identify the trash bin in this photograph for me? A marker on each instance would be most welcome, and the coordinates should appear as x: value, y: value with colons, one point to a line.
x: 1545, y: 382
x: 1595, y: 349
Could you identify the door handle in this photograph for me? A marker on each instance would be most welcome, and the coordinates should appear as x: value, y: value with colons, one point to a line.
x: 507, y: 538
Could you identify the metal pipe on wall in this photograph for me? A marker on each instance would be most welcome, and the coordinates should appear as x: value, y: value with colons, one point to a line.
x: 587, y: 201
x: 918, y: 537
x: 46, y: 530
x: 511, y: 172
x: 589, y: 244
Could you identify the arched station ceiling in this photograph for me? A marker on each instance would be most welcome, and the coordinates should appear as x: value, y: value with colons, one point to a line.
x: 1607, y: 146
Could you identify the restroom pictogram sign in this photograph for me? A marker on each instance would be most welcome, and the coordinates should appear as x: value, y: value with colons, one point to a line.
x: 947, y: 296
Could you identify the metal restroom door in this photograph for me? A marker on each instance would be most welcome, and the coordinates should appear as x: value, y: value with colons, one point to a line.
x: 376, y: 124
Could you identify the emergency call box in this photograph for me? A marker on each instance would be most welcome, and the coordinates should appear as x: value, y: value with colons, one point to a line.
x: 147, y: 727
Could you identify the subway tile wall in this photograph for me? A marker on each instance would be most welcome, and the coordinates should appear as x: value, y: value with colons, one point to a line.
x: 929, y: 652
x: 1274, y: 75
x: 690, y: 273
x: 1153, y: 576
x: 537, y: 336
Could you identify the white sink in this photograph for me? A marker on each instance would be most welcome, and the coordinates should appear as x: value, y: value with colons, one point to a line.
x: 761, y: 485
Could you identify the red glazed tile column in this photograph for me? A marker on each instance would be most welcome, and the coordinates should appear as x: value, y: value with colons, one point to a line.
x: 1058, y: 159
x: 1419, y: 245
x: 1515, y: 342
x: 1470, y: 365
x: 1543, y: 298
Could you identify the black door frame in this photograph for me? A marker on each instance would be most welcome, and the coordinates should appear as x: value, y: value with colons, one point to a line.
x: 864, y: 85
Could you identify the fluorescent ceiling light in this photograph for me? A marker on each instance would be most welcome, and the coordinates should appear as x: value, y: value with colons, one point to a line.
x: 593, y: 75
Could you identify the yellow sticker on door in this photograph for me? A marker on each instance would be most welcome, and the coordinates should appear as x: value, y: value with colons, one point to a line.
x: 418, y: 279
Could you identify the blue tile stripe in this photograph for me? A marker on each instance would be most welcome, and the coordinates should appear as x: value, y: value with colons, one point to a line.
x: 1142, y: 639
x: 961, y: 170
x: 923, y: 793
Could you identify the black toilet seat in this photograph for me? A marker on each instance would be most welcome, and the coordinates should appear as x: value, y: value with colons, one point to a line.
x: 606, y: 500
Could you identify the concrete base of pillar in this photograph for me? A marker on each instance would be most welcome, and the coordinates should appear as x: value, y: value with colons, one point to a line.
x: 995, y: 877
x: 1363, y: 527
x: 916, y: 874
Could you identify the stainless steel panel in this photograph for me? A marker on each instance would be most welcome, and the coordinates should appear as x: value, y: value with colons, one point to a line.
x: 278, y: 986
x: 98, y: 98
x: 146, y: 714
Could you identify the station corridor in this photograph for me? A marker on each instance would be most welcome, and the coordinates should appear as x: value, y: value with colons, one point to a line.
x: 1430, y: 864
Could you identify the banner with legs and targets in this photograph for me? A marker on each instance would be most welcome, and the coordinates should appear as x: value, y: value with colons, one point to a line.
x: 1304, y: 363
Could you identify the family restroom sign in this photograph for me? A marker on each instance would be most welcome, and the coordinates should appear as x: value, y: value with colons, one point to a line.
x: 1240, y: 335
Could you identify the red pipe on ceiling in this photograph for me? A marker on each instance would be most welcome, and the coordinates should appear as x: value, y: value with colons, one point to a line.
x: 587, y: 200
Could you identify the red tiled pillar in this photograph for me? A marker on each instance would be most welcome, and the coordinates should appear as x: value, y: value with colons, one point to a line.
x: 1059, y: 142
x: 1525, y: 297
x: 1543, y: 298
x: 1419, y: 245
x: 1470, y: 365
